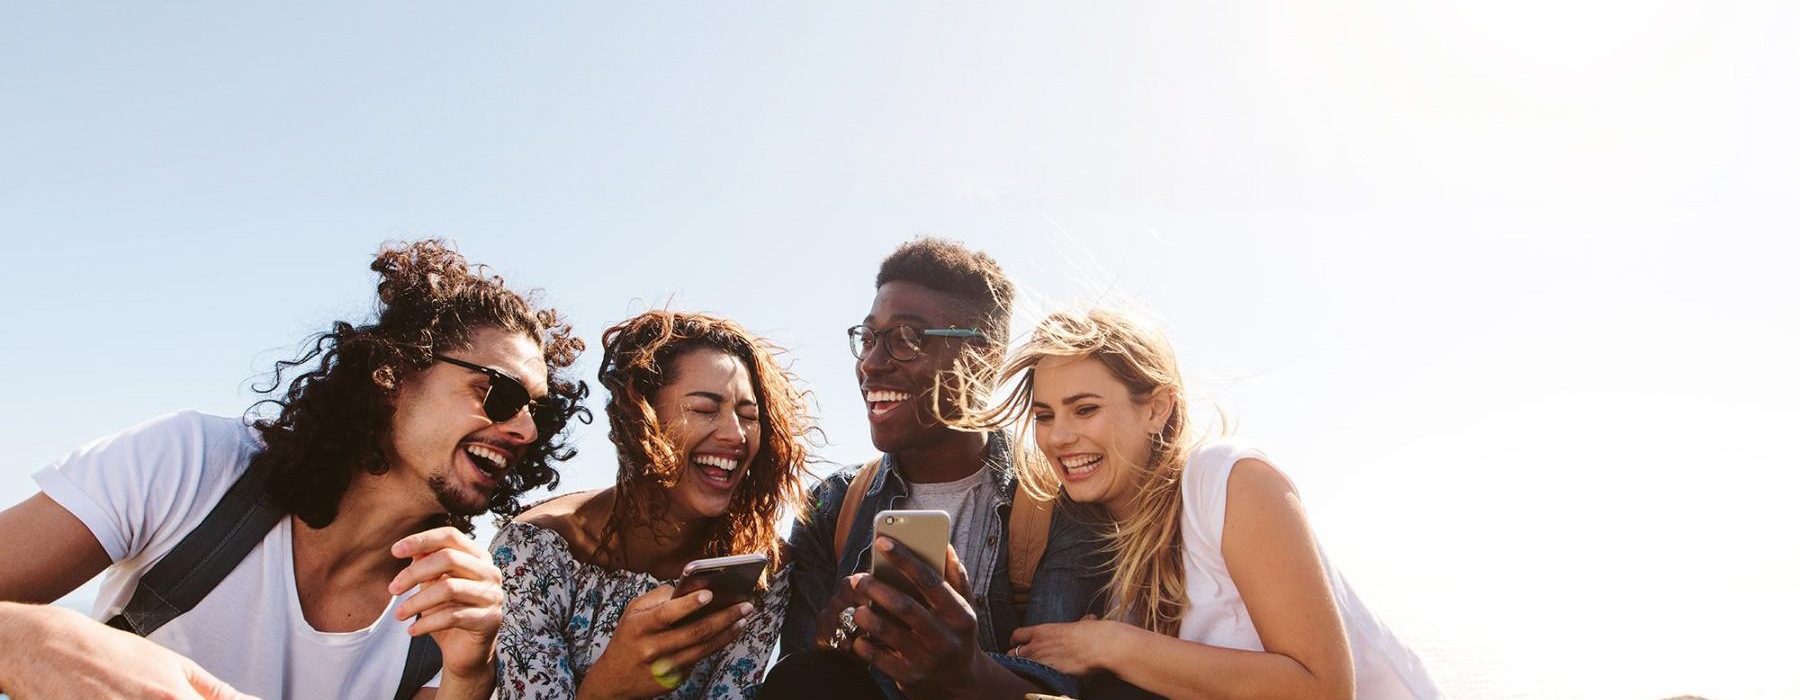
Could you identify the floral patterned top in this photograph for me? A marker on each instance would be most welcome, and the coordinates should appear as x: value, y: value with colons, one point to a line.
x: 561, y: 612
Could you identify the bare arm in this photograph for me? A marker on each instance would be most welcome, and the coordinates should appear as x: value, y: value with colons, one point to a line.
x: 49, y: 652
x: 48, y: 552
x: 1272, y: 558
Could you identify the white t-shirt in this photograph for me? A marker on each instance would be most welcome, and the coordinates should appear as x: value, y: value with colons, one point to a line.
x: 141, y: 490
x: 1385, y: 668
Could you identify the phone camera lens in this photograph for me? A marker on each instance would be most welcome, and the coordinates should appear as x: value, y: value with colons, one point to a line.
x: 890, y: 520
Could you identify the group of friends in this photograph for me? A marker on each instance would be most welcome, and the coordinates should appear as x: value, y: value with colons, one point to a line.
x: 319, y: 547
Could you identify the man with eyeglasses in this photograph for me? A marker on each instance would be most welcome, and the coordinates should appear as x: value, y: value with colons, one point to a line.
x: 941, y: 314
x: 319, y: 551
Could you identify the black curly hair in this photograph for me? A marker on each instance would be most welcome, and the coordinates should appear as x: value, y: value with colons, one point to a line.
x: 971, y: 277
x: 331, y: 420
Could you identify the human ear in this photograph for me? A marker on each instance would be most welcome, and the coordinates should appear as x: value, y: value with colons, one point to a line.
x: 1162, y: 406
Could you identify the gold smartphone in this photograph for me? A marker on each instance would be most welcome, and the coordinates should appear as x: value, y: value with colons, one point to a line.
x: 925, y: 532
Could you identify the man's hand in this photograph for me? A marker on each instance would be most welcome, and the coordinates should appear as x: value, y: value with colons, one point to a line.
x: 649, y: 654
x: 826, y: 623
x: 51, y: 653
x: 458, y: 604
x: 926, y: 645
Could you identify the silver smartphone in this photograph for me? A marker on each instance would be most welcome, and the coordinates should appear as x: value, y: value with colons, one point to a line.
x: 925, y: 532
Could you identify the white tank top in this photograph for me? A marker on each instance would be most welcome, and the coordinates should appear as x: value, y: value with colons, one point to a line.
x: 1216, y: 615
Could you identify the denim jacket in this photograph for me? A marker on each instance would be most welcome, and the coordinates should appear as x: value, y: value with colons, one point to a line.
x: 1066, y: 586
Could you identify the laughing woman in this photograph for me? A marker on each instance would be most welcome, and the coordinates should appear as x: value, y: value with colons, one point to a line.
x: 708, y: 429
x: 1218, y: 588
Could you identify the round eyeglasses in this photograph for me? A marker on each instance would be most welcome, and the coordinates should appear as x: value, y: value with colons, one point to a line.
x: 904, y: 343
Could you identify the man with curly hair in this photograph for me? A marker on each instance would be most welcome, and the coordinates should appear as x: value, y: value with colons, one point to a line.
x: 936, y: 329
x: 321, y: 550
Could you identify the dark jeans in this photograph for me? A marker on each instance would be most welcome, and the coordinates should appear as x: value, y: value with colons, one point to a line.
x: 820, y: 674
x: 816, y: 674
x: 810, y: 674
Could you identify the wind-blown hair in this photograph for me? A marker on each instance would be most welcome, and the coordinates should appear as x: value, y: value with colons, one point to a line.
x: 334, y: 419
x: 640, y: 356
x: 981, y: 289
x: 1147, y: 584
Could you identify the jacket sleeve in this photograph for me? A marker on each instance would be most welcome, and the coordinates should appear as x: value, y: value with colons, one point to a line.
x: 1071, y: 579
x: 814, y: 575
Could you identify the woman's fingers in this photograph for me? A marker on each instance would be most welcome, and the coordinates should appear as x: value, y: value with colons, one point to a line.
x: 671, y: 613
x: 711, y: 643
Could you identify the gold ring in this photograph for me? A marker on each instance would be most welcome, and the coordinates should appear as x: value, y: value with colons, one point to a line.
x: 666, y: 673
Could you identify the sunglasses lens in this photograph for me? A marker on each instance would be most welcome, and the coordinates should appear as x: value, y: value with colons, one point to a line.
x: 505, y: 398
x: 547, y: 412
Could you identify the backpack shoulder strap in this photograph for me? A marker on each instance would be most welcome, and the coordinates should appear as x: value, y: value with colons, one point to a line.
x: 423, y: 659
x: 1028, y: 532
x: 859, y: 489
x: 203, y: 558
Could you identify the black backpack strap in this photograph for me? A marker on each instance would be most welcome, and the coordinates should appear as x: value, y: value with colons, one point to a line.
x: 202, y: 559
x: 422, y: 662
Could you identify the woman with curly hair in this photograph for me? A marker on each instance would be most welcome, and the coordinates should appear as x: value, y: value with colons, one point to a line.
x: 709, y: 432
x: 1218, y: 589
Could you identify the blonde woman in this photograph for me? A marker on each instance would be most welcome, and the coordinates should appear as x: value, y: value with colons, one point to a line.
x: 1218, y: 588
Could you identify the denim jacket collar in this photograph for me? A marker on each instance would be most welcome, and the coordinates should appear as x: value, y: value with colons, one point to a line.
x: 998, y: 462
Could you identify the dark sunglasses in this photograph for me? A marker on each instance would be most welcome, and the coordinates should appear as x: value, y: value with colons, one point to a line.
x: 507, y: 396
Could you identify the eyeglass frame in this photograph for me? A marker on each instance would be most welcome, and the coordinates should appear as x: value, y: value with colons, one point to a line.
x: 542, y: 409
x: 881, y: 338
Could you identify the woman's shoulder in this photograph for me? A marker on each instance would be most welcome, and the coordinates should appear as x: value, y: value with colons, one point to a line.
x: 1216, y: 457
x: 551, y: 526
x: 569, y: 517
x: 1206, y: 479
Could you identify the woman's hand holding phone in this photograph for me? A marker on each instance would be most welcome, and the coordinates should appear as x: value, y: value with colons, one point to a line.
x: 651, y: 652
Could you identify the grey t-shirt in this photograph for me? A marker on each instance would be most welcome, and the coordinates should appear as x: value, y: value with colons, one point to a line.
x: 970, y: 503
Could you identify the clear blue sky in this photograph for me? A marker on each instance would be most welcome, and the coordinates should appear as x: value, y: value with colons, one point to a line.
x: 1507, y: 288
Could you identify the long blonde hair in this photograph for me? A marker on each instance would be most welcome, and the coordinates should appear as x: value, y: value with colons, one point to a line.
x: 1147, y: 588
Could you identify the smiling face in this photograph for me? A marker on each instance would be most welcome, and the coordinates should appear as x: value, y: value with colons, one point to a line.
x: 1092, y: 431
x: 440, y: 435
x: 892, y: 391
x: 711, y: 416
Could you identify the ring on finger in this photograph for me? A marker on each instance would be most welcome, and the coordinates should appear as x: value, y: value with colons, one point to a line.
x: 666, y: 673
x: 846, y: 629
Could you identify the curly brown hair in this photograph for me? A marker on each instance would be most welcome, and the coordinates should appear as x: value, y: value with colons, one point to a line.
x: 639, y: 360
x: 332, y: 420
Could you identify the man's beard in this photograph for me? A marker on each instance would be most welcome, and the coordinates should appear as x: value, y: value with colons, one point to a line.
x: 459, y: 501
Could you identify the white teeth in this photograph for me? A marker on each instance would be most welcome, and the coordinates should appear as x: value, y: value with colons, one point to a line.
x: 1083, y: 461
x: 885, y: 396
x: 495, y: 459
x: 724, y: 463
